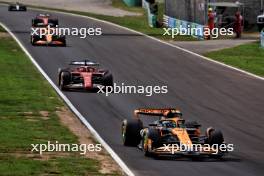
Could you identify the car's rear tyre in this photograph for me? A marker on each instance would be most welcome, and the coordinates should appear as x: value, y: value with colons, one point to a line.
x: 63, y: 40
x: 34, y: 39
x: 64, y: 80
x: 131, y: 132
x: 64, y: 43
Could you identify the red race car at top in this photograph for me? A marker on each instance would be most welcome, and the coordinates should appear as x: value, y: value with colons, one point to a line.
x: 42, y: 25
x: 84, y: 75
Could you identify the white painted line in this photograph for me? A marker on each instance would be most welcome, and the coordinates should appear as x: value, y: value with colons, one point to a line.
x: 158, y: 40
x: 76, y: 112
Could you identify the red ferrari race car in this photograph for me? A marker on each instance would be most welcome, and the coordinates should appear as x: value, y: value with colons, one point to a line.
x: 43, y: 27
x: 84, y: 75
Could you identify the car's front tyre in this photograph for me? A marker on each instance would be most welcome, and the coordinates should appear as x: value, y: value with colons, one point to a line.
x: 150, y: 141
x: 64, y: 79
x: 131, y: 132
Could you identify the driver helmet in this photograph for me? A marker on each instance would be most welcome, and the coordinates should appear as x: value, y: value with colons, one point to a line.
x: 82, y: 69
x: 173, y: 114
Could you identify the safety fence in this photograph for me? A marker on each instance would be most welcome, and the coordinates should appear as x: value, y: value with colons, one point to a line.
x: 171, y: 22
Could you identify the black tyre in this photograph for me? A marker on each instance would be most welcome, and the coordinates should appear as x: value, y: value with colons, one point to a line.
x: 64, y: 41
x: 154, y: 135
x: 33, y: 22
x: 64, y: 79
x: 23, y: 8
x: 108, y: 80
x: 216, y: 137
x: 32, y: 40
x: 131, y: 132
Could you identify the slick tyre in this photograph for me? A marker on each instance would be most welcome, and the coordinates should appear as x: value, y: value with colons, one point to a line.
x: 216, y: 137
x: 131, y: 132
x: 64, y: 43
x: 32, y: 41
x: 152, y: 135
x: 63, y: 40
x: 64, y: 80
x: 108, y: 80
x: 23, y: 8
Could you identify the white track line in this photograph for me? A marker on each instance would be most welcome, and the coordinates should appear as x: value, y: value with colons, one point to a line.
x: 158, y: 40
x: 76, y: 112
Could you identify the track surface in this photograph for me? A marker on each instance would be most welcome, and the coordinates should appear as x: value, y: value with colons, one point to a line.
x: 212, y: 94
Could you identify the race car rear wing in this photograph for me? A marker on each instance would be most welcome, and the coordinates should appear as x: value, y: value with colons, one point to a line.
x: 156, y: 112
x: 84, y: 63
x: 42, y: 15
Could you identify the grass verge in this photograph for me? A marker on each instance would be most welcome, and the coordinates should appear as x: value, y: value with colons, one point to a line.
x: 249, y: 57
x: 2, y: 29
x: 25, y: 95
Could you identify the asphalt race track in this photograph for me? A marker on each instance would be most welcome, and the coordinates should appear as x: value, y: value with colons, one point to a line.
x: 210, y: 93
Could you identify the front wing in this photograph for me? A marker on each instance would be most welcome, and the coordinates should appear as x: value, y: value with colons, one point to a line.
x: 45, y: 42
x: 81, y: 86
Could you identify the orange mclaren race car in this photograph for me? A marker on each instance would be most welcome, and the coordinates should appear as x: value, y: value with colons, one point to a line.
x: 43, y: 31
x: 172, y: 135
x: 85, y: 75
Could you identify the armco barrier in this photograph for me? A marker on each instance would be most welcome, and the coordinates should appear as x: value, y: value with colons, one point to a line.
x: 176, y: 23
